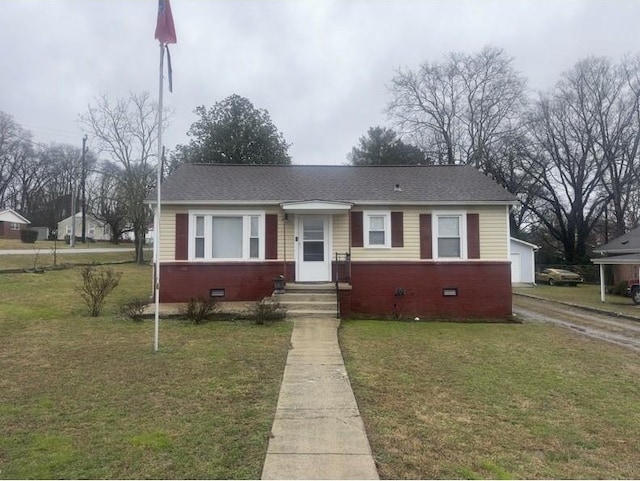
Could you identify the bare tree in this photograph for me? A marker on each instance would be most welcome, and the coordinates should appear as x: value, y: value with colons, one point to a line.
x: 127, y: 130
x: 567, y: 161
x: 458, y: 110
x: 109, y: 203
x: 15, y: 146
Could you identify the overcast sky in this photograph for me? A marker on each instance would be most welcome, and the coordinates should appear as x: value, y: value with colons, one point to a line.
x: 319, y: 67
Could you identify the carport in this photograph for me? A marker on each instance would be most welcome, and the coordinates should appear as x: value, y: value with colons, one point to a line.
x: 628, y: 259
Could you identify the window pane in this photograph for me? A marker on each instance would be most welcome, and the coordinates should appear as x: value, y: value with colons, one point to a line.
x: 227, y: 237
x: 199, y: 226
x: 254, y: 250
x: 313, y: 251
x: 254, y: 226
x: 376, y: 222
x: 313, y: 228
x: 448, y: 247
x: 200, y: 247
x: 376, y: 238
x: 448, y: 226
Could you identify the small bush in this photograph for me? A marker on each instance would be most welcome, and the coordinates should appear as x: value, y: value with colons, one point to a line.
x: 97, y: 284
x: 267, y: 310
x: 199, y: 310
x: 28, y: 236
x: 134, y: 310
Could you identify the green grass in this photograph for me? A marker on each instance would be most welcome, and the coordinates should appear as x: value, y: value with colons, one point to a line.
x: 45, y: 259
x: 87, y: 397
x: 585, y: 295
x: 500, y: 401
x: 60, y: 245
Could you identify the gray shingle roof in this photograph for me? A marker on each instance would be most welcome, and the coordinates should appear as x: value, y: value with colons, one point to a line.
x: 625, y: 244
x: 200, y: 183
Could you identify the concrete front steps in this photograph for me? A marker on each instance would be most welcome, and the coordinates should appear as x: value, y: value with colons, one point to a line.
x: 309, y: 299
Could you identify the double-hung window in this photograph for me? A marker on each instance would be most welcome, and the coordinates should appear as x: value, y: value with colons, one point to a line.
x: 450, y: 236
x: 15, y: 226
x: 377, y: 229
x: 227, y: 236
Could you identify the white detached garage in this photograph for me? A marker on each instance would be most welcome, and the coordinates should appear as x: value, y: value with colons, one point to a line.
x: 523, y: 269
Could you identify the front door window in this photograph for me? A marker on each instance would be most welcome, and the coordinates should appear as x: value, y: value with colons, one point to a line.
x: 313, y: 239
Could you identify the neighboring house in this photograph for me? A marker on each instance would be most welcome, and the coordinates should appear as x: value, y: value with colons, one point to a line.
x: 523, y: 263
x: 422, y: 241
x: 623, y: 254
x: 11, y: 223
x: 95, y: 229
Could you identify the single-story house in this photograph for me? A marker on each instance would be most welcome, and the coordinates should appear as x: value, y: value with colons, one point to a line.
x: 11, y: 223
x: 523, y: 262
x: 428, y: 241
x: 623, y: 254
x: 94, y: 229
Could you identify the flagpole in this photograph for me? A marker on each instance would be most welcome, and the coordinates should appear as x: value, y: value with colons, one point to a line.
x: 156, y: 240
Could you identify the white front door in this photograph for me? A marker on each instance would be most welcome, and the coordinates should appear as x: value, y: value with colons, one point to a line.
x: 313, y: 252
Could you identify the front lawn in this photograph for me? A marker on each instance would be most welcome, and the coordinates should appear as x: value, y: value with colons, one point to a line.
x: 445, y: 400
x: 87, y: 397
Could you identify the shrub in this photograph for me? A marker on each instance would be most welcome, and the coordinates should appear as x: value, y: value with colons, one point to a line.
x: 199, y: 310
x: 620, y: 289
x: 97, y: 284
x: 134, y: 310
x: 28, y: 236
x: 267, y: 310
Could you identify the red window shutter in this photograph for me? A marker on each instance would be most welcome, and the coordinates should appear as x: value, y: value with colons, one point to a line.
x: 271, y: 236
x: 356, y: 229
x: 426, y: 250
x: 182, y: 237
x: 473, y: 236
x: 397, y: 230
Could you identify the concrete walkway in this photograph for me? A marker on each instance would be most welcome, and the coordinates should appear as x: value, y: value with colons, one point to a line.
x: 317, y: 432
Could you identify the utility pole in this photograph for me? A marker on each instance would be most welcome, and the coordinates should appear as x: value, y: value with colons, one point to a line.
x: 84, y: 198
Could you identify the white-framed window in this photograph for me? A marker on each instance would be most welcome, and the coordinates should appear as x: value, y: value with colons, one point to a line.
x: 68, y: 230
x: 226, y: 235
x: 449, y: 235
x: 15, y: 226
x: 377, y: 229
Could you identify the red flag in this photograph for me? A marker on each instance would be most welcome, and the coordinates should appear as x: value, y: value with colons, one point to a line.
x: 165, y: 30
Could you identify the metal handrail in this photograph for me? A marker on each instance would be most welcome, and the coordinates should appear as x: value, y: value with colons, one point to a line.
x: 342, y: 261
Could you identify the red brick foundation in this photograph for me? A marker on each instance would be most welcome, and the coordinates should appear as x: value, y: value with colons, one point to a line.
x: 381, y: 289
x: 412, y: 289
x: 241, y: 281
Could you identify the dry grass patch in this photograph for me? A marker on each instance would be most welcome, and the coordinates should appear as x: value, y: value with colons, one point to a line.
x: 443, y: 400
x: 87, y: 397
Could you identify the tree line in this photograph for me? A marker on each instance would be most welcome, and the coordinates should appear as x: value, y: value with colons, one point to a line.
x: 570, y: 154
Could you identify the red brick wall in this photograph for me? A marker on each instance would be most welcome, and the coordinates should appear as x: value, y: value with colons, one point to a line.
x: 242, y: 281
x: 7, y: 233
x: 484, y: 289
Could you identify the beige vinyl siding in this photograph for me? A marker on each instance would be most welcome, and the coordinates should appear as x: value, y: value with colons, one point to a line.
x: 340, y: 241
x: 168, y: 232
x: 493, y: 232
x: 168, y: 227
